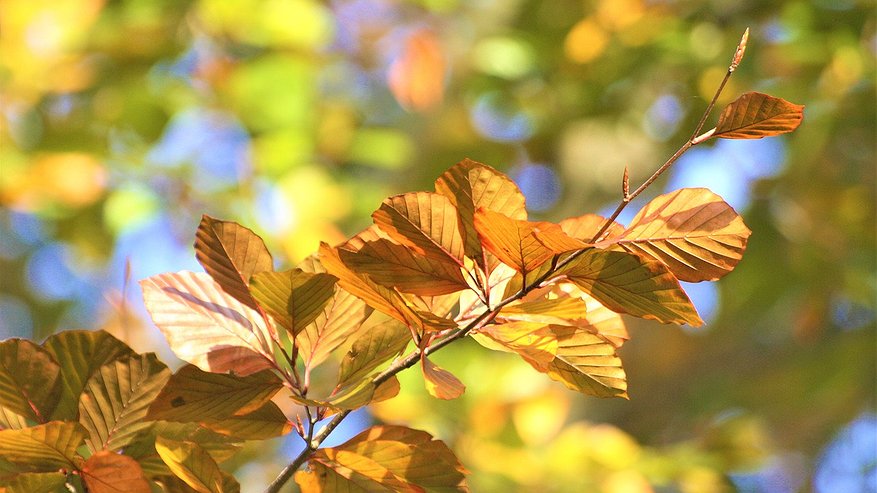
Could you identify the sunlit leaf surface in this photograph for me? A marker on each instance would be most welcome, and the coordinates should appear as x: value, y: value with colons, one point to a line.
x: 440, y: 383
x: 424, y: 221
x: 43, y: 448
x: 109, y: 472
x: 293, y: 297
x: 755, y: 115
x: 192, y: 464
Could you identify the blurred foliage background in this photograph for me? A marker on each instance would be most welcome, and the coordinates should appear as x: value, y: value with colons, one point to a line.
x: 123, y: 121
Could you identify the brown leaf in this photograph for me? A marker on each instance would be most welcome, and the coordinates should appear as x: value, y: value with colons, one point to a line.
x: 628, y: 283
x: 423, y: 221
x: 755, y: 115
x: 385, y: 458
x: 293, y: 297
x: 206, y: 326
x: 471, y: 185
x: 109, y: 472
x: 696, y: 234
x: 231, y: 254
x: 440, y: 383
x: 397, y: 266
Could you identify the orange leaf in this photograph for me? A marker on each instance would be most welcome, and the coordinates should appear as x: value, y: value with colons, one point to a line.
x: 109, y: 472
x: 471, y: 185
x: 397, y: 266
x: 534, y: 341
x: 629, y: 283
x: 417, y: 76
x: 206, y: 326
x: 231, y: 254
x: 512, y: 240
x: 755, y: 115
x: 584, y: 227
x: 385, y: 458
x: 587, y: 362
x: 696, y: 234
x: 440, y: 383
x: 425, y: 222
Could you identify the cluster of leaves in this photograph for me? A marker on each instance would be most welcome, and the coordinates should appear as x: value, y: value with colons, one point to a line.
x: 435, y: 267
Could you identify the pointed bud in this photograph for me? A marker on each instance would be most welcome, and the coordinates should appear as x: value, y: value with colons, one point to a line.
x: 741, y: 49
x: 625, y: 183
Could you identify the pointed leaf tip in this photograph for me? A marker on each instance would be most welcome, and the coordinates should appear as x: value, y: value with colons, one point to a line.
x: 755, y: 115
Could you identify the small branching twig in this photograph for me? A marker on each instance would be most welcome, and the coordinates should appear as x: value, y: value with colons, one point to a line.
x: 313, y: 441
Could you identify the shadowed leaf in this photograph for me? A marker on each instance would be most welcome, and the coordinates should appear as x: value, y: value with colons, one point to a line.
x: 293, y: 297
x: 205, y: 326
x: 534, y: 341
x: 599, y: 319
x: 116, y: 398
x: 195, y: 395
x: 231, y: 254
x: 173, y: 484
x: 584, y: 227
x: 375, y: 346
x: 43, y: 482
x: 191, y: 463
x: 43, y: 448
x: 628, y: 283
x: 80, y: 353
x: 109, y: 472
x: 755, y: 115
x: 220, y: 447
x: 29, y: 382
x: 340, y: 319
x: 440, y: 383
x: 385, y: 458
x: 266, y: 422
x: 696, y: 234
x: 470, y: 186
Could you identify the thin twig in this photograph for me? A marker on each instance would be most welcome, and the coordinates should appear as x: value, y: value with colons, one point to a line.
x: 314, y: 441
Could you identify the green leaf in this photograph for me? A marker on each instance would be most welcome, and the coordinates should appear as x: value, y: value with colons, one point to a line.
x: 191, y: 463
x: 195, y: 395
x: 628, y: 283
x: 695, y: 233
x: 398, y: 266
x: 375, y: 346
x: 43, y: 482
x: 29, y: 382
x: 108, y: 472
x: 266, y: 422
x: 755, y: 115
x: 425, y: 222
x: 471, y: 185
x: 43, y: 448
x: 293, y: 297
x: 114, y: 404
x: 205, y: 326
x: 587, y: 362
x: 385, y: 458
x: 231, y: 254
x: 80, y: 353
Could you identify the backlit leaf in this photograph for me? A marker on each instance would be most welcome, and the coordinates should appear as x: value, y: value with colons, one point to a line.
x: 80, y: 353
x: 231, y: 254
x: 109, y: 472
x: 116, y: 398
x: 341, y: 318
x: 293, y: 297
x: 29, y: 381
x: 546, y: 310
x: 440, y: 383
x: 373, y: 347
x: 42, y: 482
x: 204, y: 325
x: 220, y: 447
x: 385, y: 458
x: 191, y: 463
x: 599, y: 319
x: 512, y: 240
x: 195, y: 395
x: 394, y: 265
x: 584, y: 227
x: 695, y: 233
x: 470, y: 186
x: 628, y: 283
x: 755, y: 115
x: 266, y: 422
x: 173, y: 484
x: 380, y: 298
x: 587, y: 363
x: 43, y: 448
x: 417, y: 76
x: 425, y: 222
x: 534, y: 341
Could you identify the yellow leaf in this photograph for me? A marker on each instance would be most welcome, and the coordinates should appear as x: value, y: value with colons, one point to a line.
x: 534, y: 341
x: 587, y: 363
x: 440, y: 383
x: 293, y: 297
x: 695, y: 233
x: 191, y: 463
x: 584, y: 227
